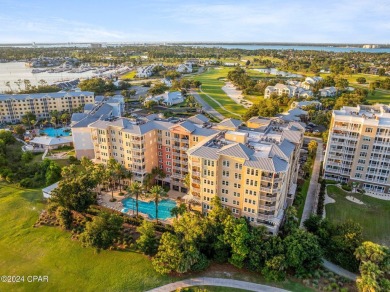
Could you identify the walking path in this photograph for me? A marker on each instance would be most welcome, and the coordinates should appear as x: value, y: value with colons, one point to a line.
x: 339, y: 270
x: 200, y: 87
x: 312, y: 192
x: 206, y: 107
x: 236, y: 95
x: 205, y: 281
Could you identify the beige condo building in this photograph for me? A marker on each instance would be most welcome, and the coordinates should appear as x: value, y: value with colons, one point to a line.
x: 358, y: 148
x: 253, y: 171
x: 143, y: 144
x: 14, y: 106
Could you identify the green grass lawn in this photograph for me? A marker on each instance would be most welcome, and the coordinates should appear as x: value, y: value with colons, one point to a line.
x: 49, y: 251
x: 25, y: 250
x: 212, y: 85
x: 128, y: 75
x: 374, y: 216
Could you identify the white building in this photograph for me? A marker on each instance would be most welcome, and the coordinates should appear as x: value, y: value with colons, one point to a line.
x: 328, y: 92
x: 184, y: 68
x: 167, y: 98
x: 310, y: 82
x: 289, y: 90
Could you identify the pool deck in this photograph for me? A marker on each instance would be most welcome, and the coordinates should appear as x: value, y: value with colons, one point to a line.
x: 104, y: 200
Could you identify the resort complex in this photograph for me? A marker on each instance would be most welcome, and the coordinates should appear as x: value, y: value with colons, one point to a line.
x: 14, y: 106
x: 358, y: 148
x: 253, y: 170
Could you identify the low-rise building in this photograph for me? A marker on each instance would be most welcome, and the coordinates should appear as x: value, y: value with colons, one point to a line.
x: 310, y: 82
x: 184, y: 68
x: 167, y: 98
x: 288, y: 90
x: 328, y: 92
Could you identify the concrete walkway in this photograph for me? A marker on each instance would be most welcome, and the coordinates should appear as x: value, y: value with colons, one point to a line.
x: 206, y: 107
x: 205, y: 281
x: 339, y: 270
x: 200, y: 88
x: 313, y: 190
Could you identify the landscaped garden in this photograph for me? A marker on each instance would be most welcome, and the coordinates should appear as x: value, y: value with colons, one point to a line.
x: 373, y: 216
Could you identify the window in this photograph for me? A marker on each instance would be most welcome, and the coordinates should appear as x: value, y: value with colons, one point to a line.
x: 359, y: 168
x: 238, y: 166
x: 363, y: 154
x: 365, y: 138
x: 225, y: 173
x: 226, y: 163
x: 368, y: 130
x: 237, y: 175
x: 364, y: 147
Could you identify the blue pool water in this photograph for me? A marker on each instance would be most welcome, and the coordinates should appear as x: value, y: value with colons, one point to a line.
x: 164, y: 208
x: 52, y: 132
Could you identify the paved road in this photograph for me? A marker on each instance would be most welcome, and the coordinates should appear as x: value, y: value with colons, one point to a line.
x: 339, y: 270
x: 206, y: 107
x: 313, y: 187
x: 205, y: 281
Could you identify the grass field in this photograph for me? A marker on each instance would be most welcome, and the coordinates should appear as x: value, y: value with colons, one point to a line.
x: 128, y: 75
x: 212, y: 85
x: 25, y: 250
x: 49, y: 251
x: 374, y: 216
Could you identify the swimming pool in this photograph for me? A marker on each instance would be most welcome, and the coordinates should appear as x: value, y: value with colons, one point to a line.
x: 164, y: 208
x: 52, y: 132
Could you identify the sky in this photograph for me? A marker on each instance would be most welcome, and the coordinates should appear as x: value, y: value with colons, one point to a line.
x: 326, y: 21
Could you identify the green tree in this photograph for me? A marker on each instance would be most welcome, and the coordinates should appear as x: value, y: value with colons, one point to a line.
x: 157, y: 193
x: 312, y: 147
x: 135, y: 190
x: 27, y: 118
x: 19, y: 130
x: 237, y: 236
x: 374, y: 265
x: 169, y: 255
x: 102, y: 230
x: 147, y: 242
x: 178, y: 210
x: 75, y: 193
x: 303, y: 252
x: 361, y: 80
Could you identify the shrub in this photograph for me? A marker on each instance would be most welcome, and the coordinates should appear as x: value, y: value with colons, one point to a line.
x: 64, y: 217
x: 346, y: 187
x: 201, y: 265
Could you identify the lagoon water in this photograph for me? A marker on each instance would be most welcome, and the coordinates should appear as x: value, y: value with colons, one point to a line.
x: 298, y: 48
x: 13, y: 71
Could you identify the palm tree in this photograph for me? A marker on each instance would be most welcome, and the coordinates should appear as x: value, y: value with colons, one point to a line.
x: 135, y: 190
x: 178, y: 210
x: 157, y: 193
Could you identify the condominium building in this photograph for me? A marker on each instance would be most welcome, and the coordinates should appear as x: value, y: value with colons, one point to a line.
x: 358, y: 148
x: 14, y: 106
x: 253, y: 171
x: 143, y: 144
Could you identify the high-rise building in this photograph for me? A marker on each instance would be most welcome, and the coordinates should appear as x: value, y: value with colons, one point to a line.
x: 358, y: 148
x: 143, y: 144
x: 14, y: 106
x: 253, y: 171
